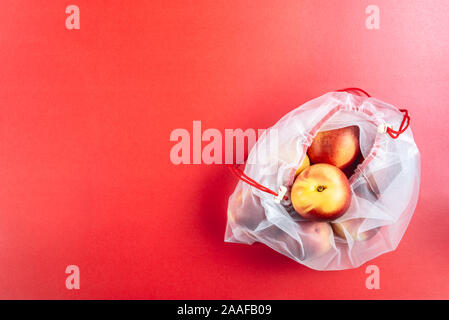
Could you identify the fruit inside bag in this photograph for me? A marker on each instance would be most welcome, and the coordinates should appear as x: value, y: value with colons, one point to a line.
x: 351, y: 183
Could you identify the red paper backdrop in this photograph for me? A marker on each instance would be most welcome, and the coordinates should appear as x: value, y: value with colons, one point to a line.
x: 86, y: 116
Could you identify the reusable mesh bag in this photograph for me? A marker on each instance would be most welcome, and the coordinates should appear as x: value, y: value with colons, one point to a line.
x: 384, y: 186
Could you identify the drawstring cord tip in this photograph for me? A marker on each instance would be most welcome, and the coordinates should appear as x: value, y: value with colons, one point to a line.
x: 281, y: 193
x: 383, y: 127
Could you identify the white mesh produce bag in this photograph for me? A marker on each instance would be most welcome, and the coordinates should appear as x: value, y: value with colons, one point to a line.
x: 384, y: 185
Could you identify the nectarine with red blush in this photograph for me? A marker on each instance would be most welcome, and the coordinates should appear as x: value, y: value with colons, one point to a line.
x: 321, y: 192
x: 338, y: 147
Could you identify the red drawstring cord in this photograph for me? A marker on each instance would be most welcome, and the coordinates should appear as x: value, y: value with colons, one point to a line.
x: 392, y: 133
x: 355, y: 89
x: 242, y: 176
x: 404, y: 125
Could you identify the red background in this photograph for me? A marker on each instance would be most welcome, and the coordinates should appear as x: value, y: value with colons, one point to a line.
x: 86, y: 116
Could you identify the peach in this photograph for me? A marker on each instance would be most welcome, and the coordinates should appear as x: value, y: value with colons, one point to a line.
x: 316, y: 240
x: 321, y: 192
x: 304, y: 164
x: 338, y: 147
x: 352, y: 227
x: 245, y: 210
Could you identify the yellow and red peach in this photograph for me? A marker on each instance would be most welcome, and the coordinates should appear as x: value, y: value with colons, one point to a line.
x: 352, y: 228
x: 338, y: 147
x: 321, y: 192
